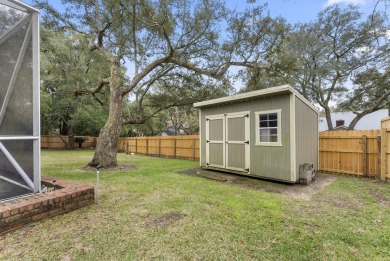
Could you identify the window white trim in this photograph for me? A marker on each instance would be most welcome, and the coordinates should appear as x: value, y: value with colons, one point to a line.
x: 257, y: 129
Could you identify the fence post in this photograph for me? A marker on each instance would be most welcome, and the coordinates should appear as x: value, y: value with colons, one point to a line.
x: 364, y: 144
x: 174, y: 147
x: 193, y: 149
x: 159, y: 147
x: 379, y: 142
x: 147, y: 146
x: 136, y: 145
x: 384, y: 138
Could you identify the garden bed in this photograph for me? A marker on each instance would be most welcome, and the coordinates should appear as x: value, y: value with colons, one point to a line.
x: 66, y: 196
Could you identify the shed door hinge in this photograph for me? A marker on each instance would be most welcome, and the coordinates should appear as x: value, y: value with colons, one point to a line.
x: 207, y: 141
x: 246, y: 142
x: 247, y: 169
x: 247, y: 115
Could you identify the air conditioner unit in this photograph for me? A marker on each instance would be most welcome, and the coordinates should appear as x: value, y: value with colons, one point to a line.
x: 307, y: 173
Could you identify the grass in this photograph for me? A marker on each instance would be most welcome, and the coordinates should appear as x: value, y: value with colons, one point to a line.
x: 154, y: 213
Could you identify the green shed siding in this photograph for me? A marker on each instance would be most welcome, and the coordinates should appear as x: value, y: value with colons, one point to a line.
x: 265, y: 161
x: 306, y: 121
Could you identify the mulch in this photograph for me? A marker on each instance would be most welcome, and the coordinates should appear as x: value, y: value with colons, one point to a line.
x: 111, y: 168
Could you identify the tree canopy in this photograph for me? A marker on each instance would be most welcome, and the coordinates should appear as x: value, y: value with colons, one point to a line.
x: 165, y: 42
x: 327, y: 59
x: 65, y: 70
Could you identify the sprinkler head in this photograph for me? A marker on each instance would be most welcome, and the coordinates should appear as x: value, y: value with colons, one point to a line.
x: 98, y: 167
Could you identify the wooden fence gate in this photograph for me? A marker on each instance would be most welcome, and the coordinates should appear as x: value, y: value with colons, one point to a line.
x: 362, y: 153
x: 350, y: 152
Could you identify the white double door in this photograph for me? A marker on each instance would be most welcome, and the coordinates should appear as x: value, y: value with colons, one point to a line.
x: 228, y: 141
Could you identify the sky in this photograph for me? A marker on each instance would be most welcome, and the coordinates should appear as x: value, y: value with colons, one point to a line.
x: 295, y: 11
x: 292, y: 10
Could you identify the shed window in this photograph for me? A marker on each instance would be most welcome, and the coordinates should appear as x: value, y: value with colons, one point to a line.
x: 268, y: 128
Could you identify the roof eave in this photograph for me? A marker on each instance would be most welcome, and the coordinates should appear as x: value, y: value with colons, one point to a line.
x: 244, y: 96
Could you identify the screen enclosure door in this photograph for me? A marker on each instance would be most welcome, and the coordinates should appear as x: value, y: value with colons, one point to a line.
x: 19, y: 100
x: 227, y: 141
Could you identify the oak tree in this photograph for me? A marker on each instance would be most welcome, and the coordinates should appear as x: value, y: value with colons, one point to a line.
x: 160, y: 41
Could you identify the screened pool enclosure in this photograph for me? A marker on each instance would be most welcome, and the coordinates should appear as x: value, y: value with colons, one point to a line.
x: 19, y: 100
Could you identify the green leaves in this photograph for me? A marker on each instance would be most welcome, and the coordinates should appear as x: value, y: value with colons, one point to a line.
x: 68, y: 66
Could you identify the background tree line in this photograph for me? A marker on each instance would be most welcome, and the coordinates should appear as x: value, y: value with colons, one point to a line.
x: 130, y: 66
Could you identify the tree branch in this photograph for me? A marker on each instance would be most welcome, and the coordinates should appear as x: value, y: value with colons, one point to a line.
x: 99, y: 87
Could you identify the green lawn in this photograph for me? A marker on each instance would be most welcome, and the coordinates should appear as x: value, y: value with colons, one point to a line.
x: 155, y: 213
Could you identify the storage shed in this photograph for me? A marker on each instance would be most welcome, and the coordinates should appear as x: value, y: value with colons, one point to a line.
x: 267, y: 133
x: 19, y: 100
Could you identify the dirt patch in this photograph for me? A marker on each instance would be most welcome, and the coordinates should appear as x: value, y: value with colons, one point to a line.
x: 112, y: 168
x: 340, y: 200
x: 289, y: 190
x: 381, y: 198
x: 165, y: 220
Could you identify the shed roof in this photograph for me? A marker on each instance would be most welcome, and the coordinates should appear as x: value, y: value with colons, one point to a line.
x: 253, y: 95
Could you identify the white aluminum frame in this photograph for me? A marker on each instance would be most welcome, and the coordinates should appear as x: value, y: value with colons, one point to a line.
x: 31, y: 18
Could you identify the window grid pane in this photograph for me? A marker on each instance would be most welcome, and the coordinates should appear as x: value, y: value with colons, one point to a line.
x: 268, y: 126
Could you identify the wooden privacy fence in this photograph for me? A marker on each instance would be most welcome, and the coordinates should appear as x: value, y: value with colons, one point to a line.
x: 350, y: 152
x: 185, y: 147
x: 363, y: 153
x: 55, y: 142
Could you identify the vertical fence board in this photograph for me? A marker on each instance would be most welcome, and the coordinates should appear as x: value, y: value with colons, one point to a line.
x: 364, y: 149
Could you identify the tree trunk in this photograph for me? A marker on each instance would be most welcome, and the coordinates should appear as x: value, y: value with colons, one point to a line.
x: 328, y: 118
x: 70, y: 143
x: 106, y: 147
x: 356, y: 119
x: 70, y: 134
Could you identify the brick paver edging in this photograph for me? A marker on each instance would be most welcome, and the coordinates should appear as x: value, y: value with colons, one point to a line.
x: 68, y: 196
